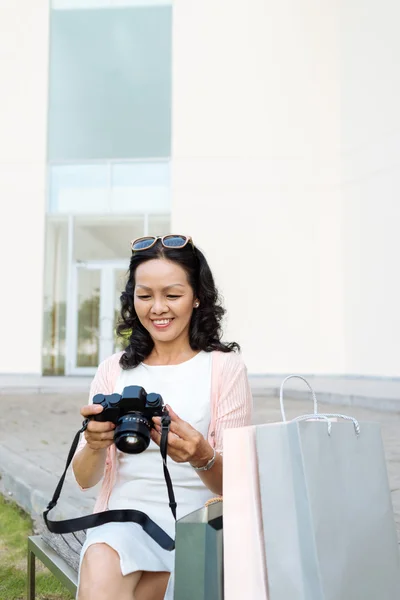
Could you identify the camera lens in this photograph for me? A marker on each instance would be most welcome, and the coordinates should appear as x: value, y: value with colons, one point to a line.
x: 132, y: 433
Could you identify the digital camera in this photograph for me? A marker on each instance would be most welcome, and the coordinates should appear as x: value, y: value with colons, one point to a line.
x: 132, y: 413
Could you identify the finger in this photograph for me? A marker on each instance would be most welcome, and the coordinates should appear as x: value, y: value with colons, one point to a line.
x: 91, y: 409
x: 174, y: 417
x: 177, y: 449
x: 159, y: 430
x: 155, y: 436
x: 99, y: 426
x: 100, y: 442
x: 107, y: 435
x: 98, y: 436
x: 95, y: 445
x: 183, y: 429
x: 172, y: 414
x: 174, y: 442
x: 177, y: 426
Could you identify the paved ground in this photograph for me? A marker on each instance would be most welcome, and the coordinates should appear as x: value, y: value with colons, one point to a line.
x: 381, y: 393
x: 36, y: 431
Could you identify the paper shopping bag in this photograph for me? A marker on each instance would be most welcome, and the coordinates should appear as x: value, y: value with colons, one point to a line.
x: 328, y: 524
x: 244, y: 555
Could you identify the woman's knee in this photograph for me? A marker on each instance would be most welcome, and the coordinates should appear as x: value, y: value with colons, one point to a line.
x: 100, y: 561
x: 100, y: 575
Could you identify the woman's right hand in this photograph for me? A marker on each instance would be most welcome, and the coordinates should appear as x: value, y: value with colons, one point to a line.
x: 98, y: 434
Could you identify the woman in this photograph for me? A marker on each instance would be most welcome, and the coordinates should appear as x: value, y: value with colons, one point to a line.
x: 171, y: 313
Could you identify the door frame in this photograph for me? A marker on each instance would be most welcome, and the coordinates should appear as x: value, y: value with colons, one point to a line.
x: 107, y: 269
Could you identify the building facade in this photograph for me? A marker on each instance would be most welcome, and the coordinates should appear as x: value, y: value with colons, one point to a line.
x: 267, y: 131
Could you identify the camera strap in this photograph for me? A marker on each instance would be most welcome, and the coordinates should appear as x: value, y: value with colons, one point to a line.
x: 118, y: 515
x: 165, y: 424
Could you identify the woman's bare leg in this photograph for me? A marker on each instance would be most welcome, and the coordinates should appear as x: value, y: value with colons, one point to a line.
x: 101, y: 577
x: 152, y: 586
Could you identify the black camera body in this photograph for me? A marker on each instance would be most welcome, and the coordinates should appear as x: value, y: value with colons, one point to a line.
x: 132, y: 413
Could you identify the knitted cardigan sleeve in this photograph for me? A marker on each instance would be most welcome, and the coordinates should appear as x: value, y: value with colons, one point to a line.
x: 235, y: 403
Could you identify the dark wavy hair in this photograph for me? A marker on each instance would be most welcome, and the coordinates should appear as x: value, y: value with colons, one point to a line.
x: 205, y: 325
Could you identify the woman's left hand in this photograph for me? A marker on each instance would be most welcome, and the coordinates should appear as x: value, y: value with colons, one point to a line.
x: 185, y: 443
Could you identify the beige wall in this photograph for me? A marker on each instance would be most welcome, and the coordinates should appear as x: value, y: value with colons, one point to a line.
x: 23, y: 113
x: 256, y: 166
x: 287, y: 132
x: 371, y: 184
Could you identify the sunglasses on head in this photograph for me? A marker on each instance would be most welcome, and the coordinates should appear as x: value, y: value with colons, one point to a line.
x: 168, y: 241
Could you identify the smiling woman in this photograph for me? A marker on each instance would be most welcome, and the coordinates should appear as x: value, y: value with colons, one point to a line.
x: 171, y: 312
x: 163, y: 308
x: 165, y: 279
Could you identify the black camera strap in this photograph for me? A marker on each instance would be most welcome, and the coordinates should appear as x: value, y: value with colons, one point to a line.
x: 165, y: 423
x: 119, y: 515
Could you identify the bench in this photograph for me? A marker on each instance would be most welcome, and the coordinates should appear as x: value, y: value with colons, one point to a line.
x: 200, y: 530
x: 38, y: 548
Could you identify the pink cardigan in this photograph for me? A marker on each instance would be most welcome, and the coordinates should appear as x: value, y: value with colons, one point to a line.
x: 231, y: 406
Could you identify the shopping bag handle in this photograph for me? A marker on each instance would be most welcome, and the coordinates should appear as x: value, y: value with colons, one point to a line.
x: 316, y: 414
x: 327, y: 416
x: 309, y: 387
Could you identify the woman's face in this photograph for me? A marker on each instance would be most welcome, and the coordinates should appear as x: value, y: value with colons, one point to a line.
x: 163, y: 299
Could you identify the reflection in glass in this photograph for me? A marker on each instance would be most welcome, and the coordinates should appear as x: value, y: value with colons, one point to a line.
x: 55, y: 297
x: 77, y: 188
x: 105, y: 238
x: 141, y: 187
x: 107, y: 187
x: 160, y: 225
x: 88, y: 318
x: 110, y: 77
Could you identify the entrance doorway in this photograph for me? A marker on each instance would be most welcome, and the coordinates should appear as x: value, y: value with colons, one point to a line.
x: 94, y: 301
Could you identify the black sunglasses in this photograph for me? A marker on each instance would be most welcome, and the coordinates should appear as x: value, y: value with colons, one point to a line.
x: 168, y: 241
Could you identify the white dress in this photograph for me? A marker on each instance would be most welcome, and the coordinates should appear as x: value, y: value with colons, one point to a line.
x: 140, y: 480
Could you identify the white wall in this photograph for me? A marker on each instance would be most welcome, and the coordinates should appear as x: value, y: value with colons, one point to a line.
x: 256, y: 142
x: 286, y: 138
x: 23, y: 113
x: 371, y: 184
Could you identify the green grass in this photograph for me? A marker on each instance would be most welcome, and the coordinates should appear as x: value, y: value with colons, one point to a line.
x: 15, y: 527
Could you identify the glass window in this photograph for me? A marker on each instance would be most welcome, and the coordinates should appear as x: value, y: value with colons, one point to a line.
x: 105, y: 238
x: 110, y: 83
x: 107, y: 187
x: 141, y: 186
x: 159, y: 225
x: 79, y: 188
x: 109, y: 145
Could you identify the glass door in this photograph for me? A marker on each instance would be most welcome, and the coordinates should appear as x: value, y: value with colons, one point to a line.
x: 93, y: 314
